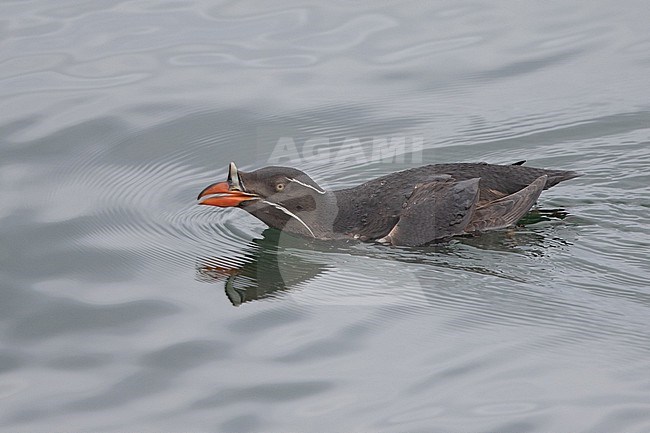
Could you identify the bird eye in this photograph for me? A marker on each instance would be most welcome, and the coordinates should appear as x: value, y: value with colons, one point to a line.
x: 279, y: 187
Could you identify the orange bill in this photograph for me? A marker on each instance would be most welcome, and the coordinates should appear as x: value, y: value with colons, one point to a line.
x: 220, y: 194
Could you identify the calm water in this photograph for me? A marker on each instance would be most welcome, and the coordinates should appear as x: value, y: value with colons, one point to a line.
x: 126, y: 307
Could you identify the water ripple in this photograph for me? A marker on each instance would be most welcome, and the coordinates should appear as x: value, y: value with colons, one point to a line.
x: 116, y: 289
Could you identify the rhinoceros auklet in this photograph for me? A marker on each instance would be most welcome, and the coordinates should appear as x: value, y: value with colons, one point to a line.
x: 411, y: 207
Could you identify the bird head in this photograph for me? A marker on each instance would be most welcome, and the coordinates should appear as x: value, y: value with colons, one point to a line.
x: 273, y: 194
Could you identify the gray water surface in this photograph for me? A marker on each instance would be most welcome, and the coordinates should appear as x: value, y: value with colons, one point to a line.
x: 124, y: 306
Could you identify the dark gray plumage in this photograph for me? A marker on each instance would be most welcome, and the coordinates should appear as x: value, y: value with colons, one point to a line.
x: 410, y: 207
x: 507, y: 210
x: 436, y: 210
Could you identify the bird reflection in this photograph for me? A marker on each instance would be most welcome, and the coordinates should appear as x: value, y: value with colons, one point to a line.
x: 266, y: 269
x: 270, y: 266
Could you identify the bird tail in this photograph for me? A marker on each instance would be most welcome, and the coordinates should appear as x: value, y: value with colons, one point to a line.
x: 557, y: 176
x: 507, y: 210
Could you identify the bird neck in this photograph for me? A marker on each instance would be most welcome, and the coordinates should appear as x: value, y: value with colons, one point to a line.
x: 316, y: 222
